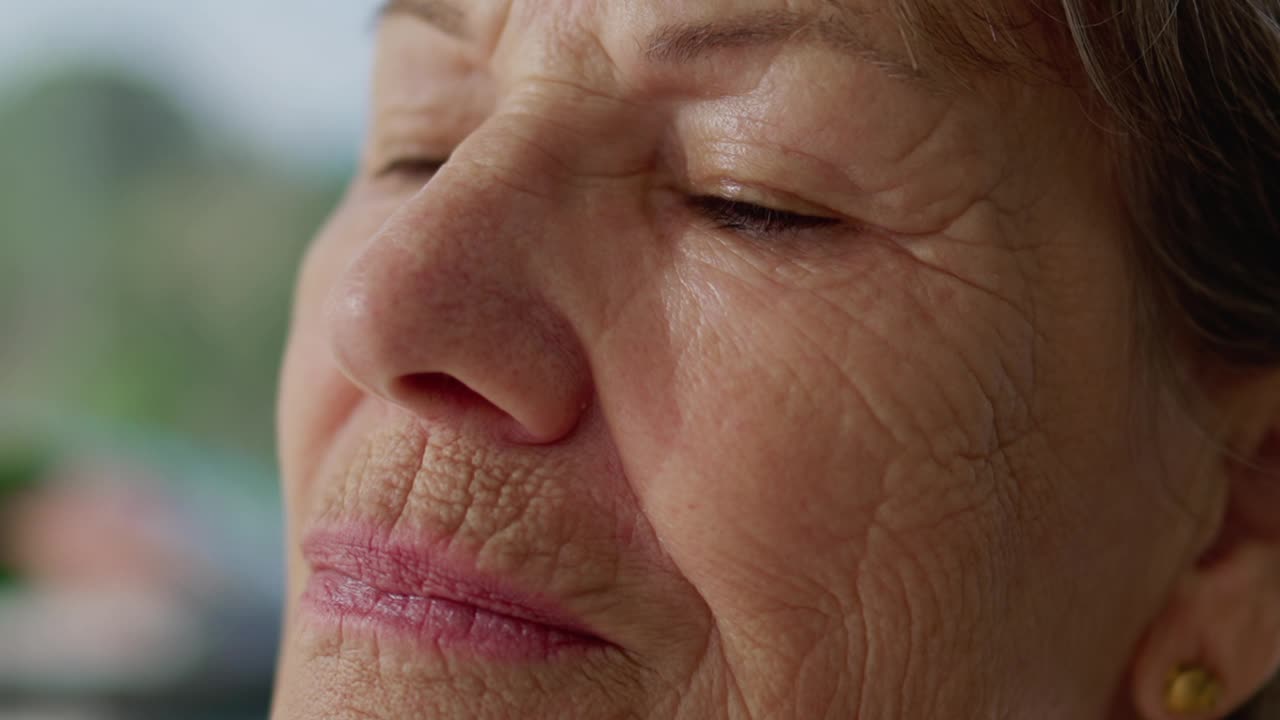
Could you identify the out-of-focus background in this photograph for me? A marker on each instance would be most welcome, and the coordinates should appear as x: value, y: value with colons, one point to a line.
x: 162, y: 166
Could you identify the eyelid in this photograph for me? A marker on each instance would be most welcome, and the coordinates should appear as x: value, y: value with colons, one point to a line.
x: 406, y: 145
x: 763, y: 219
x: 769, y: 198
x: 410, y: 165
x: 751, y: 220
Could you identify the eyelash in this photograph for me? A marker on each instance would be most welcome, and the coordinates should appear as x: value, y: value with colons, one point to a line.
x: 754, y: 220
x: 733, y: 215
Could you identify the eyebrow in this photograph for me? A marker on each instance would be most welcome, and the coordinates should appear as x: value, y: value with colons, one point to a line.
x: 684, y: 43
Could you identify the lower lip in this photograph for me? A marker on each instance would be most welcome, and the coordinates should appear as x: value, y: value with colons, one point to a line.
x: 446, y: 624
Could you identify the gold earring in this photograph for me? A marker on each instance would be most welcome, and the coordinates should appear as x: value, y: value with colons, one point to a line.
x: 1192, y: 689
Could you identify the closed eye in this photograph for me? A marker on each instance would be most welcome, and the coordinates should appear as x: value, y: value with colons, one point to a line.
x: 727, y: 214
x: 755, y: 220
x: 411, y: 167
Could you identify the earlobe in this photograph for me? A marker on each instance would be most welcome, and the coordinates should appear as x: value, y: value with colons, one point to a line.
x: 1218, y: 638
x: 1217, y: 642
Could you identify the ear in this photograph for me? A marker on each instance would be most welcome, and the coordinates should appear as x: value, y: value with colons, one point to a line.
x: 1223, y: 614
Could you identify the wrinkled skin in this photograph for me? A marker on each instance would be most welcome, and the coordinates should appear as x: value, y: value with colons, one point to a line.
x: 901, y: 465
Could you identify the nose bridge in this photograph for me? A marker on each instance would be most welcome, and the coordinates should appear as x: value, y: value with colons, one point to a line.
x: 517, y: 154
x: 521, y: 198
x: 532, y: 158
x: 552, y: 134
x: 456, y: 237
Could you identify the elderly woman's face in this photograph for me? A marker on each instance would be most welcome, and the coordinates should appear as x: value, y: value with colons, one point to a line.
x: 740, y: 362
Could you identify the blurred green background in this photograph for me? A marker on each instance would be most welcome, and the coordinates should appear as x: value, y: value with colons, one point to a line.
x: 162, y: 166
x: 146, y: 266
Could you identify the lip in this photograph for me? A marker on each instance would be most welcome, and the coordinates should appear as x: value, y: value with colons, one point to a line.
x: 415, y: 591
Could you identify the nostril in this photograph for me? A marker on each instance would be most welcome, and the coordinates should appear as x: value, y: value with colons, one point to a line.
x: 438, y: 389
x: 441, y: 397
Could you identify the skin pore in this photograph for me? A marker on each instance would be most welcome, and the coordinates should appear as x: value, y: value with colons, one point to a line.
x: 802, y: 376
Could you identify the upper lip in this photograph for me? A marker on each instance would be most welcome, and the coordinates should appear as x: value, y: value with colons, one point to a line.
x: 417, y: 570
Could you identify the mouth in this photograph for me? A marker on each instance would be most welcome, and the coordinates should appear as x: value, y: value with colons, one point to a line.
x: 415, y: 591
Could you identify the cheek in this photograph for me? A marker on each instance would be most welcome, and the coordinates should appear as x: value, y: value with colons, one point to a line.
x: 792, y: 402
x: 894, y: 443
x: 315, y: 397
x: 811, y: 431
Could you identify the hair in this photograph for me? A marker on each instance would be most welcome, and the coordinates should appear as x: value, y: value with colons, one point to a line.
x: 1195, y: 86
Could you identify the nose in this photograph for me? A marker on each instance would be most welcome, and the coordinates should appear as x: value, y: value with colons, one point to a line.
x: 444, y: 311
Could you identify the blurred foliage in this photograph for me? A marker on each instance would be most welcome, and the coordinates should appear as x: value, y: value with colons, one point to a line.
x: 145, y: 263
x: 21, y: 465
x: 23, y: 461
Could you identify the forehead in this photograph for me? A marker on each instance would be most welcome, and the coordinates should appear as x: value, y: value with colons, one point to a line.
x: 920, y: 38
